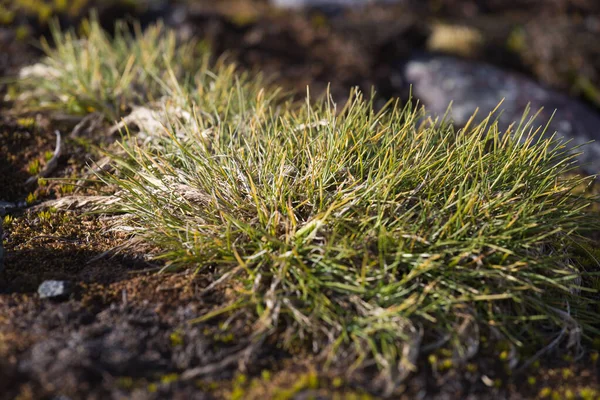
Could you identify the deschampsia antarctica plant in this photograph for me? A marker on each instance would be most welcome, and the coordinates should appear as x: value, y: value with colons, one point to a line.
x: 104, y: 73
x: 368, y: 234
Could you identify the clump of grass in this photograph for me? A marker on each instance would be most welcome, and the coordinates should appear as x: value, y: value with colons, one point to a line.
x: 105, y: 73
x: 364, y: 233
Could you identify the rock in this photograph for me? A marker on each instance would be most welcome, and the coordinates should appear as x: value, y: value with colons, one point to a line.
x: 6, y: 206
x: 438, y: 80
x: 55, y: 290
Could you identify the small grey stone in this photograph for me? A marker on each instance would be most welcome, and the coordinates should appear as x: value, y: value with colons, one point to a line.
x: 7, y: 204
x: 55, y: 290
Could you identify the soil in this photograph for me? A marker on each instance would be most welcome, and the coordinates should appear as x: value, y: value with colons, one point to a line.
x: 128, y: 331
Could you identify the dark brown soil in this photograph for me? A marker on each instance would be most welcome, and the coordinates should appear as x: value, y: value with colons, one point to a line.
x: 128, y: 332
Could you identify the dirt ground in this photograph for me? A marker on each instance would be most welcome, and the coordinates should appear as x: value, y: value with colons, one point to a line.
x: 128, y: 332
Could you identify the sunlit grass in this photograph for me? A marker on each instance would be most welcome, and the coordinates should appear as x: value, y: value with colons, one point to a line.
x: 365, y: 236
x: 106, y: 73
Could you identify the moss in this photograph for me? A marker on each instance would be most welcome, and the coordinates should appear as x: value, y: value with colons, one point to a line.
x: 33, y: 167
x: 6, y: 16
x: 244, y: 19
x: 43, y: 10
x: 567, y: 358
x: 206, y: 386
x: 556, y: 395
x: 312, y: 380
x: 446, y: 364
x: 176, y: 339
x: 588, y: 393
x: 566, y: 373
x: 227, y: 337
x: 169, y: 378
x: 22, y: 33
x: 309, y: 380
x: 61, y: 5
x: 31, y: 198
x: 66, y: 188
x: 516, y: 40
x: 318, y: 21
x: 48, y: 155
x: 569, y: 394
x: 503, y: 355
x: 45, y: 216
x: 545, y: 392
x: 282, y: 384
x: 265, y: 375
x: 445, y: 352
x: 125, y: 382
x: 27, y: 122
x: 241, y: 379
x: 237, y: 393
x: 7, y: 221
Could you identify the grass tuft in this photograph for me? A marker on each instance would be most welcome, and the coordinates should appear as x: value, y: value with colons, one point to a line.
x: 367, y: 236
x: 106, y: 73
x: 366, y: 233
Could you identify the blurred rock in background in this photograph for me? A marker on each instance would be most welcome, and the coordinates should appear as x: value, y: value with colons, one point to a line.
x: 438, y: 81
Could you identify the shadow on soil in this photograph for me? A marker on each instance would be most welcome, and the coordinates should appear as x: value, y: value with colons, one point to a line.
x: 27, y: 269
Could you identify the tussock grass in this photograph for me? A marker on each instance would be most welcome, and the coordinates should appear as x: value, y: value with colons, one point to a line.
x: 363, y: 234
x: 366, y: 236
x: 106, y: 73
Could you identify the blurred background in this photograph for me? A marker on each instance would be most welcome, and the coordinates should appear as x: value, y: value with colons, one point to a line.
x: 472, y: 52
